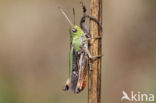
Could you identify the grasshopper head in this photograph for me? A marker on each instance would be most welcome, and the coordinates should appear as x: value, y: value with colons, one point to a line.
x: 75, y: 31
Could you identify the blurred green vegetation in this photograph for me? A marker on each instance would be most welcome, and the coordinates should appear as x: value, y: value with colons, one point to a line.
x: 7, y: 92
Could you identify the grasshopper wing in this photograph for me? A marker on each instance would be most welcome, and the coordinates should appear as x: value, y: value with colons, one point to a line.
x: 74, y: 70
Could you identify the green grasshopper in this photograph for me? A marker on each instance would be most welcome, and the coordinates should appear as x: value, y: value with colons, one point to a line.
x: 79, y: 57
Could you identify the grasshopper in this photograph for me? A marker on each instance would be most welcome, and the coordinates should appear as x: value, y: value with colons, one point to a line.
x: 79, y: 56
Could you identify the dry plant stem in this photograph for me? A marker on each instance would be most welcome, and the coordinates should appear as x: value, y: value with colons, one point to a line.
x: 94, y: 89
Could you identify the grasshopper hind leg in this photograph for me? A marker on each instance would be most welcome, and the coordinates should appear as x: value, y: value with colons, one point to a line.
x: 83, y: 64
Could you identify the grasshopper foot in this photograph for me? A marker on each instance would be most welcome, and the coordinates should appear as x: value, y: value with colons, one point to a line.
x: 95, y: 57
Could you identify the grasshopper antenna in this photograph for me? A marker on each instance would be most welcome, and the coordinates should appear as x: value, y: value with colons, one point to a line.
x: 74, y: 15
x: 83, y: 19
x: 83, y: 6
x: 65, y: 16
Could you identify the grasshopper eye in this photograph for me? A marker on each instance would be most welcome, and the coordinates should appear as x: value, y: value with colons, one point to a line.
x: 74, y: 30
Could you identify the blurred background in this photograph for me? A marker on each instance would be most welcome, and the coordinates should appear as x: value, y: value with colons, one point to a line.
x: 34, y: 48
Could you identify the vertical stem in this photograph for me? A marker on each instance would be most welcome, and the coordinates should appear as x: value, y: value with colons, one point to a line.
x: 94, y: 89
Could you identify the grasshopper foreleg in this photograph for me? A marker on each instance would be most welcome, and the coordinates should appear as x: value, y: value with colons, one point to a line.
x: 90, y: 56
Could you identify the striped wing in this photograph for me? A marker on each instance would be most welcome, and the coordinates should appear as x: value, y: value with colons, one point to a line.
x: 74, y: 69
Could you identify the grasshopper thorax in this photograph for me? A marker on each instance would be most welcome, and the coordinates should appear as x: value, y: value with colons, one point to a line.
x: 76, y: 34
